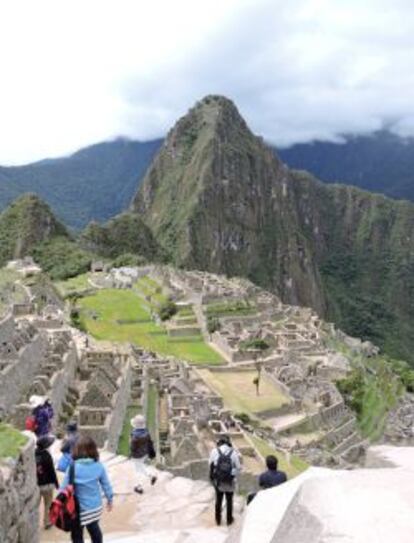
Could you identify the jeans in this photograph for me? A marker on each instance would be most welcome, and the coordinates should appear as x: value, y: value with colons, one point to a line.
x: 219, y: 504
x: 142, y: 470
x: 93, y: 529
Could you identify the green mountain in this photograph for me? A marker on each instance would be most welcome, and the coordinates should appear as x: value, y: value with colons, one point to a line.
x: 95, y: 183
x: 28, y: 227
x: 217, y: 198
x: 124, y: 234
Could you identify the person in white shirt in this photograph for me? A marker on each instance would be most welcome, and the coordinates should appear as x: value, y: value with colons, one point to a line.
x: 225, y: 466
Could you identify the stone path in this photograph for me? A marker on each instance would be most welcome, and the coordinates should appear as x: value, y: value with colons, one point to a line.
x: 174, y: 510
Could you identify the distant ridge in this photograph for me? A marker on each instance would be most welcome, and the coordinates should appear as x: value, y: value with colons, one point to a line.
x: 94, y: 183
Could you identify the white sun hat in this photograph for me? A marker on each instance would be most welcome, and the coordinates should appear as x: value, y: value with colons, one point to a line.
x: 138, y: 422
x: 36, y: 400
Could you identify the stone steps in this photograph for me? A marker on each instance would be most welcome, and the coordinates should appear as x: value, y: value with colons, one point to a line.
x: 349, y: 442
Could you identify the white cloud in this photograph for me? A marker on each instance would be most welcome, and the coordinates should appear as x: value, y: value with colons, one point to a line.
x: 76, y: 72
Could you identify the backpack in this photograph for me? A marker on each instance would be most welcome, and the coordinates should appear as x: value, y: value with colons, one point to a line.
x: 63, y: 512
x: 30, y: 424
x: 224, y: 467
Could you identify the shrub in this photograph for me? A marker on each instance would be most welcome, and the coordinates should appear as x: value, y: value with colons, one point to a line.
x: 129, y: 259
x: 167, y: 310
x: 213, y: 325
x: 257, y: 343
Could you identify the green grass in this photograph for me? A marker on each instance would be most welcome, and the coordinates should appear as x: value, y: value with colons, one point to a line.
x: 150, y: 288
x: 292, y: 466
x: 239, y: 393
x: 185, y: 311
x: 152, y: 410
x: 11, y: 441
x: 111, y: 305
x: 73, y: 285
x: 123, y: 444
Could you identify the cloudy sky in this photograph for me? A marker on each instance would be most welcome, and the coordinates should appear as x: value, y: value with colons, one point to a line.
x: 77, y: 72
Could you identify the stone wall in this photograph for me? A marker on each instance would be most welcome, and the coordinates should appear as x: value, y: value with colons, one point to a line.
x: 118, y: 415
x: 19, y: 499
x: 63, y: 379
x: 17, y: 375
x: 7, y: 326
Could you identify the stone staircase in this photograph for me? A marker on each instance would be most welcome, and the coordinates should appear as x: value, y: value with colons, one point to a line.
x: 174, y: 510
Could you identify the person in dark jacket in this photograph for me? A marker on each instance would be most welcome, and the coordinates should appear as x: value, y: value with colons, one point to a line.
x: 42, y: 412
x: 46, y: 475
x: 269, y: 478
x: 141, y: 450
x: 272, y: 477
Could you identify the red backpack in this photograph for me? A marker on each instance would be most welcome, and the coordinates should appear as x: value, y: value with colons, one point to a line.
x: 63, y: 512
x: 30, y: 423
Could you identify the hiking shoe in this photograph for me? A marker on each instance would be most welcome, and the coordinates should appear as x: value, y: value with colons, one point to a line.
x: 138, y: 489
x: 153, y: 480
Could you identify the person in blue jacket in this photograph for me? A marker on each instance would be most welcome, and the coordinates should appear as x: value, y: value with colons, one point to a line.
x: 90, y: 479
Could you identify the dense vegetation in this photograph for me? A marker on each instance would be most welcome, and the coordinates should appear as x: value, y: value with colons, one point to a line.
x: 372, y: 389
x: 121, y: 237
x: 95, y: 183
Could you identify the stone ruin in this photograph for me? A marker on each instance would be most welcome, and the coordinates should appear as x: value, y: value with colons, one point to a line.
x: 103, y: 404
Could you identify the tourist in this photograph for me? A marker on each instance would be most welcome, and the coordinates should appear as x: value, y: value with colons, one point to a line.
x: 141, y: 451
x: 224, y: 467
x: 42, y: 413
x: 68, y: 443
x: 272, y: 476
x: 269, y: 478
x: 46, y: 475
x: 90, y: 479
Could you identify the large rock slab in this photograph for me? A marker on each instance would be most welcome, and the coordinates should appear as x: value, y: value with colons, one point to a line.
x: 326, y: 506
x: 356, y: 507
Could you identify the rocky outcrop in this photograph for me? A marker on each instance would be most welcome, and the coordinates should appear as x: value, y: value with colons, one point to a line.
x: 322, y: 505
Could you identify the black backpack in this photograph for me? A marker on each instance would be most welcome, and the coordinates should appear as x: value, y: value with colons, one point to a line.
x: 224, y: 467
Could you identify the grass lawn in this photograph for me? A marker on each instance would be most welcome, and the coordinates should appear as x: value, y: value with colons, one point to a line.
x: 239, y: 393
x: 121, y: 315
x: 292, y: 465
x: 123, y: 444
x: 11, y: 441
x: 74, y: 284
x: 149, y: 287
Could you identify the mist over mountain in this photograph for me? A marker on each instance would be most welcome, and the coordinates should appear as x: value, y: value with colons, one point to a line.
x: 99, y: 181
x: 378, y: 162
